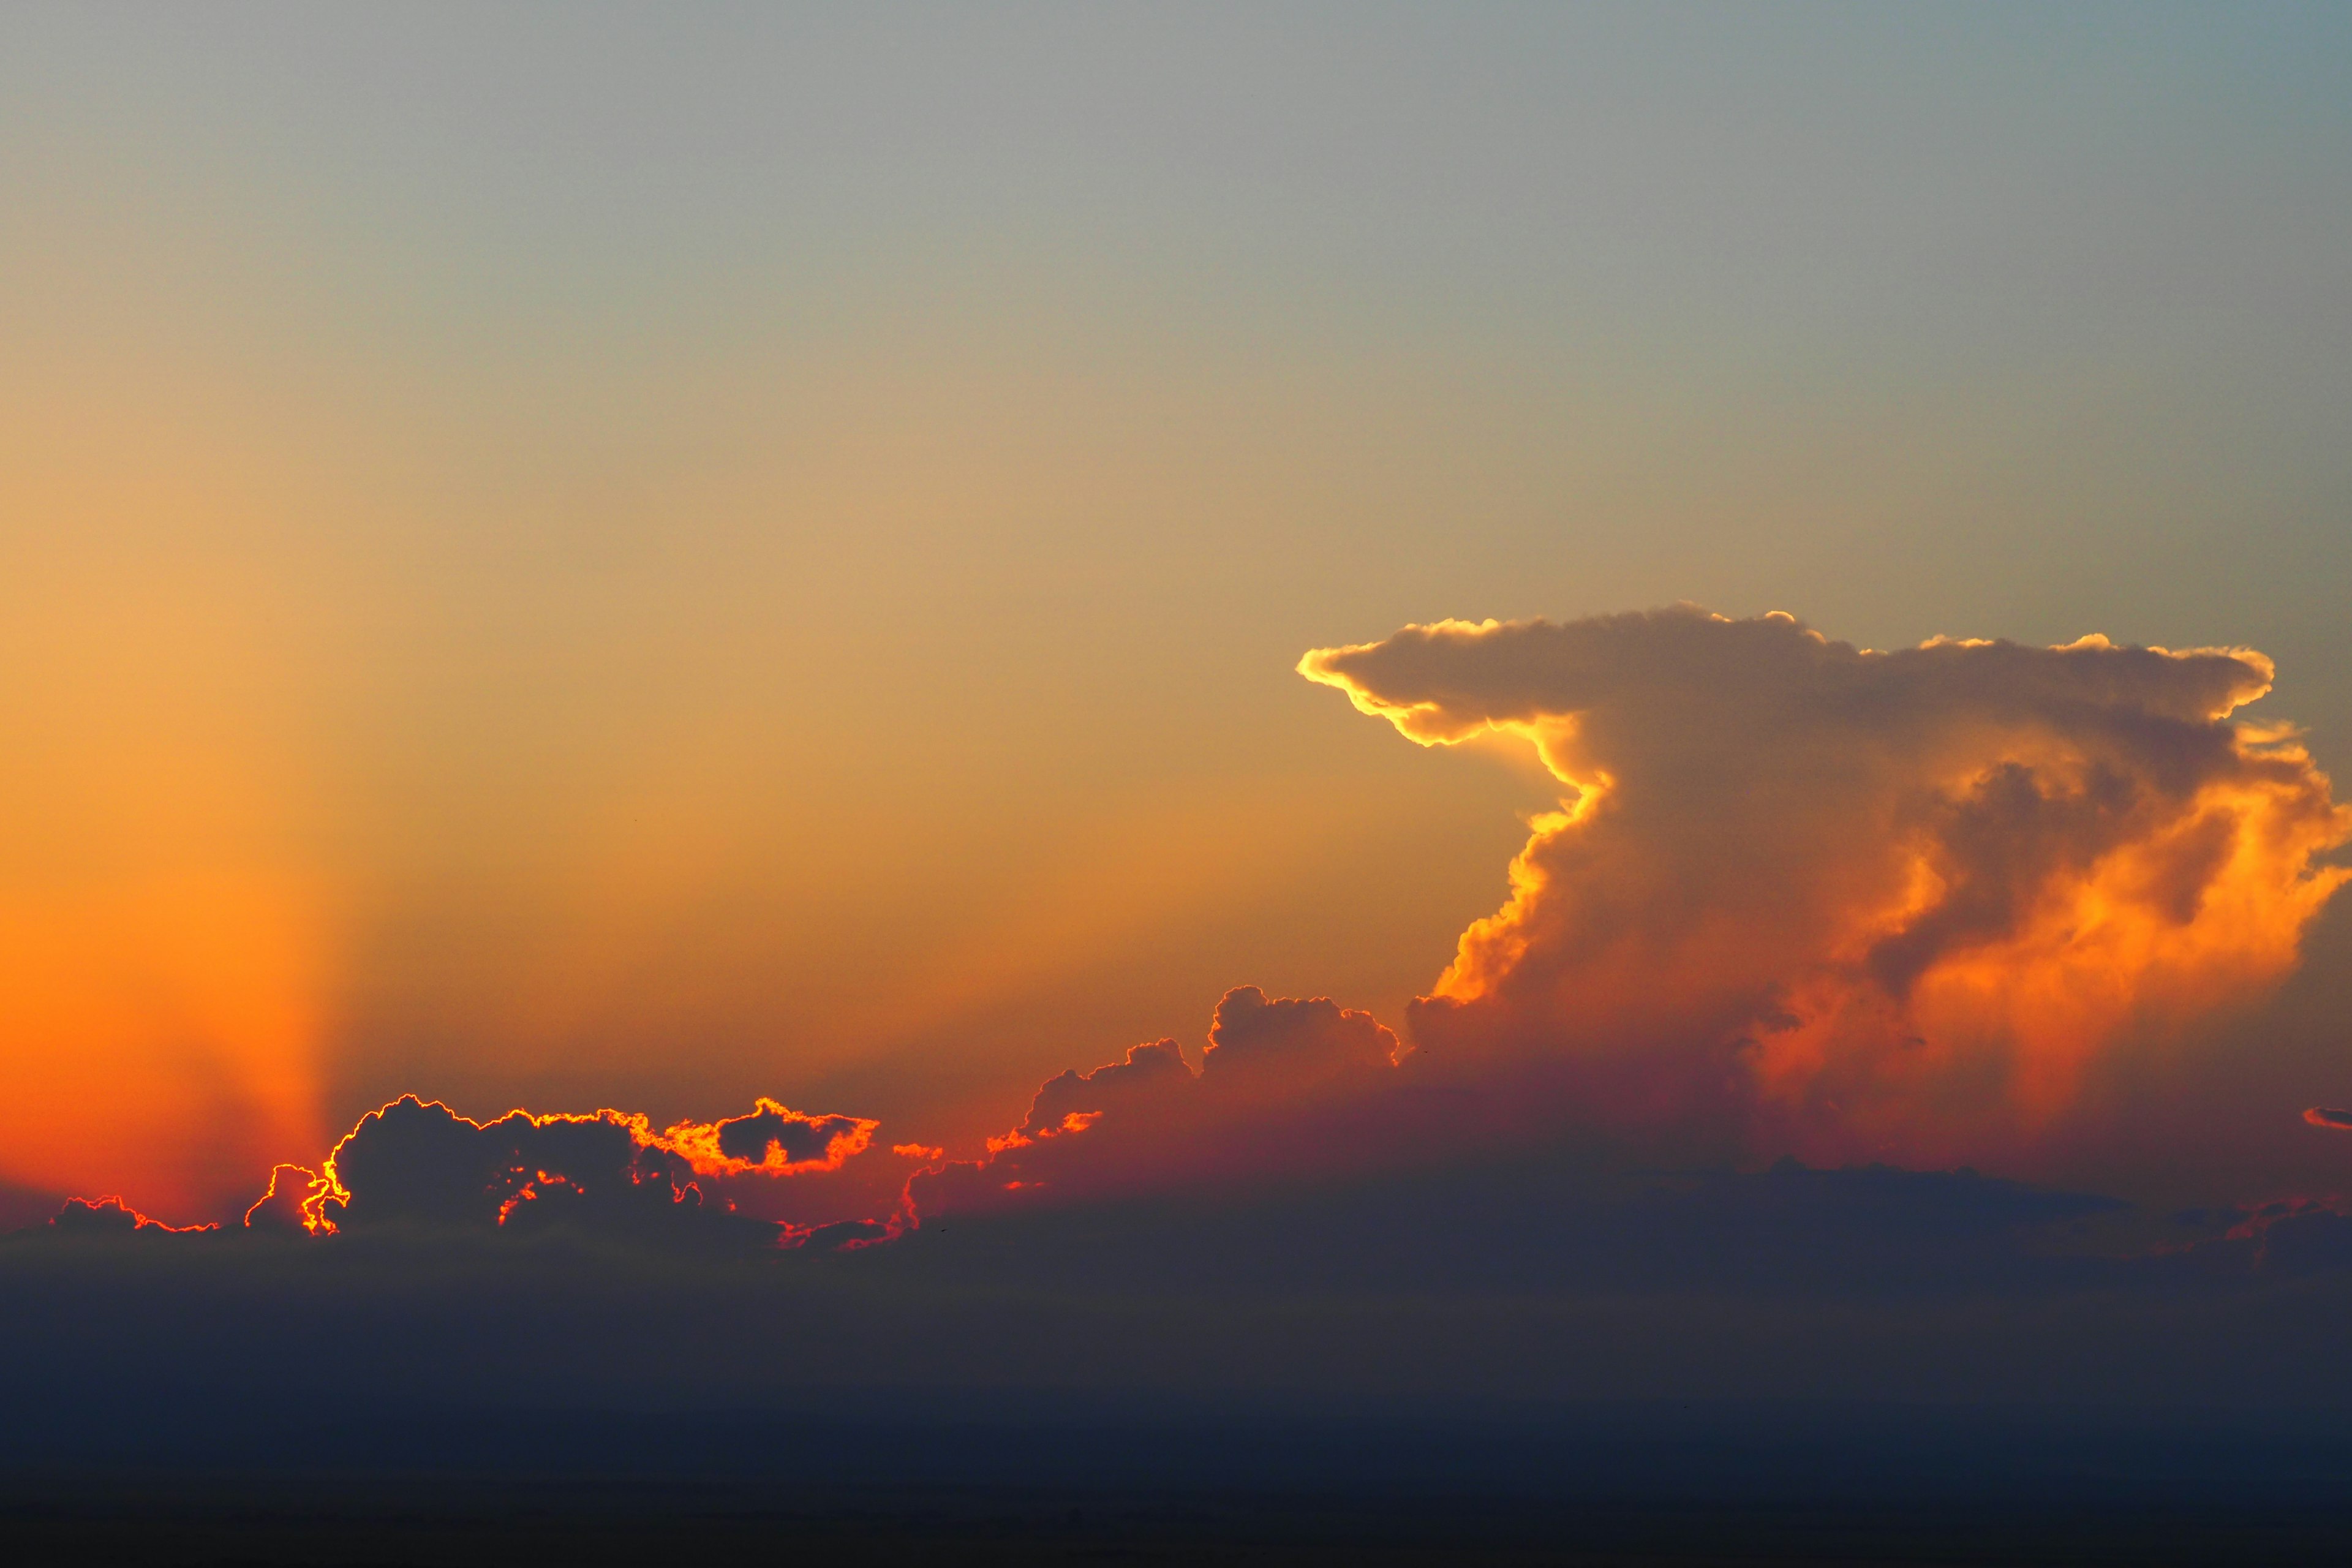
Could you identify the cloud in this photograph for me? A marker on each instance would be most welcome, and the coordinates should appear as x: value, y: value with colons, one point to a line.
x: 2329, y: 1116
x: 1280, y: 1082
x: 416, y: 1165
x: 1835, y: 900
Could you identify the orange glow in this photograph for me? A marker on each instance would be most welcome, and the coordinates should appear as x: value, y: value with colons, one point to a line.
x: 296, y: 1200
x: 159, y: 1036
x: 170, y: 941
x: 701, y: 1141
x: 2108, y: 951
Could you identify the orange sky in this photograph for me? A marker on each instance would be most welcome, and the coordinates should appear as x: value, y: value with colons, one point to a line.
x: 566, y: 571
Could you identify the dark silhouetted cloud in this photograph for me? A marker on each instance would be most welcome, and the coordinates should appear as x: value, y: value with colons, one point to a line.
x: 417, y: 1166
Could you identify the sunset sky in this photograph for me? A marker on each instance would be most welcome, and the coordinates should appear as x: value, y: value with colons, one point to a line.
x: 1465, y: 607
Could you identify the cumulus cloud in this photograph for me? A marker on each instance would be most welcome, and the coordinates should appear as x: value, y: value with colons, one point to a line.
x: 1280, y: 1048
x: 420, y: 1164
x: 1837, y: 900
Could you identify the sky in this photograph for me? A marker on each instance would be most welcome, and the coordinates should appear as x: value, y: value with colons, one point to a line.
x: 758, y: 562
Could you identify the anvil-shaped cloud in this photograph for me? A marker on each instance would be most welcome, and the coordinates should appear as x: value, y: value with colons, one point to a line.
x: 1804, y: 899
x: 1854, y: 900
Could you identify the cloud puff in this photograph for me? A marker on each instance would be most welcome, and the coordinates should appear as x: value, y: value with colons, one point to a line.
x: 1286, y: 1048
x: 1802, y: 899
x: 1278, y: 1082
x: 2329, y: 1116
x: 1839, y: 901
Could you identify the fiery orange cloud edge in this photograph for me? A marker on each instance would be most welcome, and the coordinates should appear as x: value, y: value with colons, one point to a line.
x: 761, y: 1142
x: 1803, y: 898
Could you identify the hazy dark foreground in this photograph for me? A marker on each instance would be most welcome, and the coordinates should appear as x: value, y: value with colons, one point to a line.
x: 1650, y: 1483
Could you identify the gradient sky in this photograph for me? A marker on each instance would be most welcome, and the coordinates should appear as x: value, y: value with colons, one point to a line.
x: 574, y: 555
